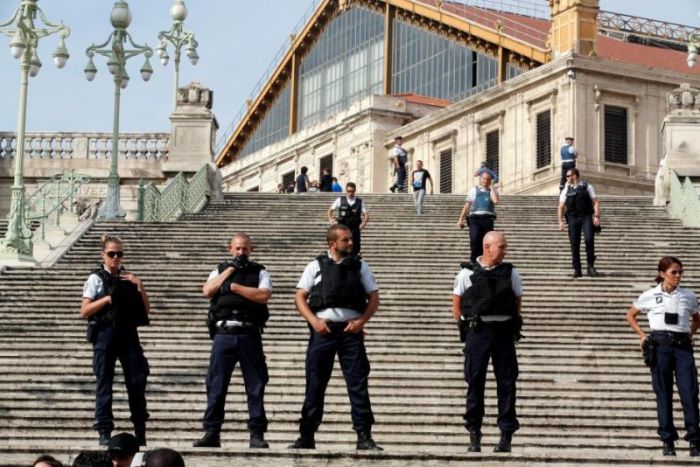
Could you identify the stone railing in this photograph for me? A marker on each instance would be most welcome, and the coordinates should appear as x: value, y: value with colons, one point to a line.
x: 180, y: 196
x: 684, y: 203
x: 59, y: 145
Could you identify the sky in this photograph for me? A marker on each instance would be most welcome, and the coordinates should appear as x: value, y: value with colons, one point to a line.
x: 238, y: 40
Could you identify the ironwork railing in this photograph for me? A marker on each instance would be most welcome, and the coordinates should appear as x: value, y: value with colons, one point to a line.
x: 684, y: 203
x: 180, y: 196
x: 645, y: 27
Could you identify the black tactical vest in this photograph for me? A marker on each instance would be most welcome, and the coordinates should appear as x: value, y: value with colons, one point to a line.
x: 578, y: 201
x: 491, y: 292
x: 350, y: 216
x: 340, y: 286
x: 227, y: 305
x: 127, y: 309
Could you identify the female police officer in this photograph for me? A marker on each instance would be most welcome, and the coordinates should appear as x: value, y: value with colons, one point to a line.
x: 673, y: 318
x: 115, y: 303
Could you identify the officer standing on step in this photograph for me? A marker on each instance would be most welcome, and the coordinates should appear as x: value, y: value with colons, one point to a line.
x: 481, y: 206
x: 337, y: 295
x: 568, y: 154
x: 486, y: 302
x: 115, y: 303
x: 239, y: 290
x: 673, y: 319
x: 352, y: 213
x: 578, y: 202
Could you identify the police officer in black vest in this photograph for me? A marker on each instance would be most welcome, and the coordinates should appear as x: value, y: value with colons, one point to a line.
x: 239, y: 290
x: 337, y: 295
x: 486, y: 303
x: 578, y: 202
x: 115, y: 304
x: 352, y: 213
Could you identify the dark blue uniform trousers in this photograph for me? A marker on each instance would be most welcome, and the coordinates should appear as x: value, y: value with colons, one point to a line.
x: 479, y: 226
x: 495, y: 341
x: 577, y: 224
x: 226, y: 351
x: 109, y: 346
x: 352, y: 355
x: 678, y: 360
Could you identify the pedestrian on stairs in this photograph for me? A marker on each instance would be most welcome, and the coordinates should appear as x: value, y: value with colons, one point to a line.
x: 399, y: 158
x: 352, y: 213
x: 568, y: 154
x: 674, y: 318
x: 337, y: 295
x: 581, y: 208
x: 481, y: 207
x: 239, y: 290
x: 420, y: 178
x: 486, y: 302
x: 115, y: 303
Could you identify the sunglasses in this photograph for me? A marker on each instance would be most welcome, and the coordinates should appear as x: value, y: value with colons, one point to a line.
x: 569, y: 176
x: 114, y: 254
x: 675, y: 273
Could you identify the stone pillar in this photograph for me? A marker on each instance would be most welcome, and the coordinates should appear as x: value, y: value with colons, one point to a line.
x: 574, y: 26
x: 193, y: 134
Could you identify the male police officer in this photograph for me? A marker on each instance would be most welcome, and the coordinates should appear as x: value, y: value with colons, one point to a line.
x: 352, y: 213
x: 481, y: 205
x: 568, y: 155
x: 239, y: 290
x: 399, y: 157
x: 487, y: 302
x: 337, y: 295
x: 582, y: 209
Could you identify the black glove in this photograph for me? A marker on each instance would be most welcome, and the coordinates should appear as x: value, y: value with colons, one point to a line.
x: 224, y: 265
x: 240, y: 262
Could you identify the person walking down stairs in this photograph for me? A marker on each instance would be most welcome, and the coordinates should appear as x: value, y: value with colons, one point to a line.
x: 480, y: 207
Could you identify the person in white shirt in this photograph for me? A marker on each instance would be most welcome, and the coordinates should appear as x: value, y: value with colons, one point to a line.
x: 399, y: 157
x: 352, y: 213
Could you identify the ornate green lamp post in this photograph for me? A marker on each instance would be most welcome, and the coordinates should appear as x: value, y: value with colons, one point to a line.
x: 118, y: 48
x: 178, y: 38
x: 16, y: 247
x: 693, y: 47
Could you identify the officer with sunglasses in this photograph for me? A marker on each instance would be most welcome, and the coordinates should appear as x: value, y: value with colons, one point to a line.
x: 115, y: 303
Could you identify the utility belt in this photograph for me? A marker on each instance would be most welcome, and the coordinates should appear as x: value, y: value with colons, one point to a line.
x: 476, y: 324
x: 233, y: 327
x: 671, y: 339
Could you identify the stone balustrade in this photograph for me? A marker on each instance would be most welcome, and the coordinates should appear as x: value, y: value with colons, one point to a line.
x: 91, y: 146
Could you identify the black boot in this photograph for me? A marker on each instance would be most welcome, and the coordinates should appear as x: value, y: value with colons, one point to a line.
x: 474, y: 441
x: 576, y: 274
x: 257, y: 440
x: 305, y: 441
x: 592, y: 271
x: 105, y: 437
x: 366, y: 443
x: 669, y: 448
x: 504, y: 443
x: 693, y: 449
x: 211, y: 439
x: 140, y: 433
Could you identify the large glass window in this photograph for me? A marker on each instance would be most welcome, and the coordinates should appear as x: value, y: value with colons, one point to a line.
x: 430, y: 65
x: 343, y: 66
x: 273, y: 127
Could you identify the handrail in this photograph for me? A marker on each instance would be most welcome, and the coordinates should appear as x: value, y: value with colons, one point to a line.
x: 684, y: 203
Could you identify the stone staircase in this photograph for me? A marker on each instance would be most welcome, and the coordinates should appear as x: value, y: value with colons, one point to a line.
x: 584, y: 393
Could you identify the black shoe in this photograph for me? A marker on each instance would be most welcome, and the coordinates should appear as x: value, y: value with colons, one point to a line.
x: 504, y: 443
x: 693, y: 449
x: 304, y: 442
x: 577, y: 273
x: 140, y: 433
x: 366, y: 443
x: 211, y: 439
x: 474, y: 441
x: 257, y: 440
x: 592, y: 271
x: 669, y: 448
x: 392, y: 188
x: 105, y: 437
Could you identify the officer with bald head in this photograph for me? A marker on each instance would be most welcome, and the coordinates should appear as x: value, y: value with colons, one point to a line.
x: 486, y: 302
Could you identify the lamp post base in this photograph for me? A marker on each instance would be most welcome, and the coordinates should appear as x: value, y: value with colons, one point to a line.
x: 16, y: 248
x: 111, y: 209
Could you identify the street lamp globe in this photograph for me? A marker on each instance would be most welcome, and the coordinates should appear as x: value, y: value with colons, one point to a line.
x: 178, y: 12
x: 121, y: 16
x: 113, y: 65
x: 90, y: 70
x: 164, y: 58
x: 146, y: 70
x: 61, y: 55
x: 125, y: 80
x: 17, y: 44
x: 34, y: 65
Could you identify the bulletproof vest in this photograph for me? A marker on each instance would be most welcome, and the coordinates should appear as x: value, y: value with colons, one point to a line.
x: 350, y: 216
x: 578, y: 201
x: 227, y: 305
x: 402, y: 156
x: 566, y: 156
x: 127, y: 309
x: 340, y: 285
x: 482, y: 202
x: 491, y: 292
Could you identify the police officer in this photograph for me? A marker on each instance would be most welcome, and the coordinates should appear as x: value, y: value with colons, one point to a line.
x: 568, y: 155
x: 115, y: 303
x: 481, y: 206
x: 399, y: 157
x: 486, y: 303
x: 337, y: 295
x: 673, y: 319
x: 582, y: 209
x: 239, y: 290
x: 352, y: 213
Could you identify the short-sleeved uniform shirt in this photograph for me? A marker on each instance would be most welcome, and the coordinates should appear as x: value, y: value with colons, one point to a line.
x: 655, y: 303
x: 93, y: 288
x: 463, y: 282
x: 471, y: 197
x: 562, y: 195
x: 420, y: 179
x: 351, y: 202
x: 312, y: 277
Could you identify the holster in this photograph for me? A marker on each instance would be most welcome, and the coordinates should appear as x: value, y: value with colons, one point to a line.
x: 463, y: 327
x: 649, y: 351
